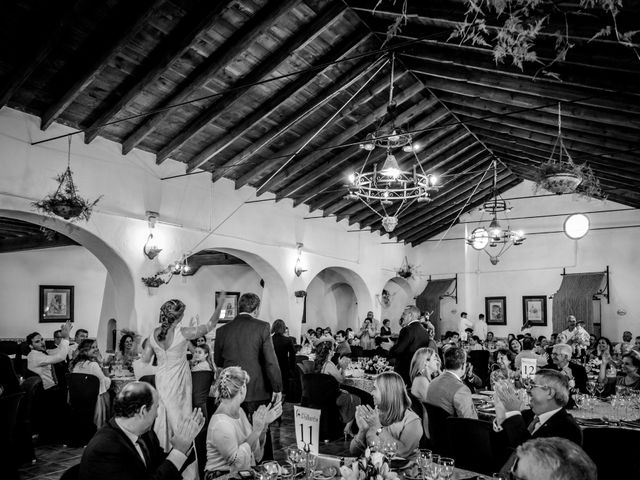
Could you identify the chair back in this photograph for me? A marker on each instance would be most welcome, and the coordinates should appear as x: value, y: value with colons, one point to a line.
x: 473, y: 444
x: 201, y: 384
x: 321, y: 391
x: 480, y: 361
x: 438, y: 429
x: 614, y: 451
x: 308, y: 366
x: 83, y: 395
x: 356, y: 351
x: 418, y: 408
x: 8, y: 441
x: 150, y: 379
x: 28, y: 414
x: 300, y: 358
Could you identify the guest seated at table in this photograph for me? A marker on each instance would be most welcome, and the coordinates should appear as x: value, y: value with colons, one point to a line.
x: 425, y: 366
x: 392, y: 419
x: 367, y: 335
x: 346, y: 402
x: 624, y: 346
x: 592, y: 347
x: 201, y: 361
x: 307, y: 338
x: 603, y: 344
x: 561, y: 358
x: 547, y: 417
x: 86, y: 361
x: 630, y: 369
x: 385, y: 330
x: 127, y: 351
x: 351, y: 337
x: 342, y: 348
x: 473, y: 343
x: 515, y: 346
x: 448, y: 391
x: 232, y: 442
x: 552, y: 459
x: 504, y: 368
x: 528, y: 344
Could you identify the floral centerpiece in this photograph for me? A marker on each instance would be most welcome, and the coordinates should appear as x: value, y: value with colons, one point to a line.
x: 371, y: 466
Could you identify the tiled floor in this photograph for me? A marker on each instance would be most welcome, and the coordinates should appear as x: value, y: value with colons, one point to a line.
x: 53, y: 460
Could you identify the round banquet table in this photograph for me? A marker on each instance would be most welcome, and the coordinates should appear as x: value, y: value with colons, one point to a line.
x: 364, y: 383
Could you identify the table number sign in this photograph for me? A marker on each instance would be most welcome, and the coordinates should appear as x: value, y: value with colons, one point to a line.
x: 307, y: 422
x: 528, y: 367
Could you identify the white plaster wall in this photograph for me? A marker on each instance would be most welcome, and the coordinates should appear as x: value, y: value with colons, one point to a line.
x: 331, y: 302
x: 21, y: 273
x: 194, y: 214
x: 535, y: 267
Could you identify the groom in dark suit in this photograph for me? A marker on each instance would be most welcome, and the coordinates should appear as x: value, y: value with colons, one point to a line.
x: 412, y: 337
x: 126, y: 448
x: 246, y: 342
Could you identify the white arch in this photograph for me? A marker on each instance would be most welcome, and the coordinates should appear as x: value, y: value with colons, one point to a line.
x: 119, y: 274
x: 401, y: 295
x: 274, y: 303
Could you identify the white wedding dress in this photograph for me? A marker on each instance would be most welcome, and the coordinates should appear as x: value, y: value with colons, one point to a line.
x: 173, y: 382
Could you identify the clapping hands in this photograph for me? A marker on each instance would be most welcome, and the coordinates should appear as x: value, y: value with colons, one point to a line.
x: 367, y: 417
x: 187, y: 431
x: 505, y: 399
x: 264, y: 415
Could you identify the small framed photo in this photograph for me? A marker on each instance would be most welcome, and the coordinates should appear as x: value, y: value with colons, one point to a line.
x: 496, y: 310
x: 56, y: 303
x: 534, y: 310
x: 230, y: 306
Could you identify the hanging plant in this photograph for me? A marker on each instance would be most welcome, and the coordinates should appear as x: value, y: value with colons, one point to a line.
x: 154, y: 281
x: 300, y: 293
x: 66, y: 202
x: 406, y: 270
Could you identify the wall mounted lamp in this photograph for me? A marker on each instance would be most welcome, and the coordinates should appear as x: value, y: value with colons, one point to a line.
x: 150, y: 249
x: 298, y: 268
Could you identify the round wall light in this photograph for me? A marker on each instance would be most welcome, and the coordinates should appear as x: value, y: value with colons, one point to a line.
x: 576, y: 226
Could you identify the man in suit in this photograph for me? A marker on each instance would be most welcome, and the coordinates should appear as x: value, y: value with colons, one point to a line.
x: 448, y: 390
x: 246, y: 342
x: 549, y: 394
x: 127, y: 448
x: 576, y: 374
x: 553, y: 458
x: 412, y: 337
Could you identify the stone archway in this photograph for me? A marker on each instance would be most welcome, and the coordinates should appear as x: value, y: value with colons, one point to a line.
x: 118, y: 299
x: 338, y: 298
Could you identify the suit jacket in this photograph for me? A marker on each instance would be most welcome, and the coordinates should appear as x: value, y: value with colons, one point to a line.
x: 246, y: 342
x: 286, y: 355
x: 452, y: 395
x: 411, y: 338
x: 111, y: 455
x: 561, y: 424
x: 579, y: 375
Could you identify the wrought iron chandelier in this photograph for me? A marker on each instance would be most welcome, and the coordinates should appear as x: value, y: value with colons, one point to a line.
x: 391, y: 187
x: 495, y: 240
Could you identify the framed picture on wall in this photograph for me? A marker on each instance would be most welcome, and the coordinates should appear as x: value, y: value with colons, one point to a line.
x: 56, y: 303
x: 496, y: 310
x: 230, y: 306
x: 534, y: 310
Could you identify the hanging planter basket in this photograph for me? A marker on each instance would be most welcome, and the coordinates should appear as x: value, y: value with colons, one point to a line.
x: 560, y: 183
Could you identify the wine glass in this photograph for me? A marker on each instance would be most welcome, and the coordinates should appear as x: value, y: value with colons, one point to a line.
x: 294, y: 454
x: 312, y: 462
x: 423, y: 460
x: 270, y: 470
x: 591, y: 387
x: 599, y: 389
x: 390, y: 449
x: 446, y: 467
x: 434, y: 467
x: 287, y: 471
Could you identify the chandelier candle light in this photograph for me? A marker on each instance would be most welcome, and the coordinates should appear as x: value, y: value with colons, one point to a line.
x: 390, y: 185
x: 495, y: 240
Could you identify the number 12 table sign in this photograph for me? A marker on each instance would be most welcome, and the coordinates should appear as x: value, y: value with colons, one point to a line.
x: 307, y: 422
x: 528, y: 367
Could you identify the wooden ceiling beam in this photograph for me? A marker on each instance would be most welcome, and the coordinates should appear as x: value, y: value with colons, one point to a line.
x: 305, y: 35
x: 302, y: 163
x: 448, y: 187
x: 38, y: 43
x: 233, y: 46
x: 35, y: 242
x: 428, y: 234
x: 342, y: 50
x: 546, y: 116
x: 621, y: 110
x: 172, y: 47
x: 334, y: 163
x: 122, y: 27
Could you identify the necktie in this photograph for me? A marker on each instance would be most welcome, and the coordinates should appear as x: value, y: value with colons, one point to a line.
x: 145, y: 450
x: 534, y: 423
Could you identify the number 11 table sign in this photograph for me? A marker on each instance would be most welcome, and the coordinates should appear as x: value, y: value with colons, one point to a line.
x: 307, y: 422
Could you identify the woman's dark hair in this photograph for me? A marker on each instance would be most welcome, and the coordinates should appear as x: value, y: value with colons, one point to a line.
x: 278, y: 326
x: 82, y: 354
x: 122, y: 342
x: 509, y: 354
x: 510, y: 337
x: 635, y: 359
x: 170, y: 311
x: 323, y: 350
x: 608, y: 343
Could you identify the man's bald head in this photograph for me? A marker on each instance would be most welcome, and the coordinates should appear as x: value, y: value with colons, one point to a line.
x: 133, y: 397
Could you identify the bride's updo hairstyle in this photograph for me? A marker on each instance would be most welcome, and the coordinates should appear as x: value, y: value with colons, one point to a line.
x: 229, y: 383
x: 170, y: 311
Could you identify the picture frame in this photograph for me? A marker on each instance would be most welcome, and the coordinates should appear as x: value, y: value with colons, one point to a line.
x: 495, y: 310
x: 534, y: 310
x: 56, y: 303
x: 230, y: 309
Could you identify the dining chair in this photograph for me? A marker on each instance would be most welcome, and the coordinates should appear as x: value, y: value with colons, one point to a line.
x: 613, y: 450
x: 83, y: 395
x: 475, y: 445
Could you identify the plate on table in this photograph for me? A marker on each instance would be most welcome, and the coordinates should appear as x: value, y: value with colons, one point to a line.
x: 591, y: 421
x: 398, y: 463
x: 326, y: 473
x: 412, y: 472
x: 478, y: 396
x: 488, y: 393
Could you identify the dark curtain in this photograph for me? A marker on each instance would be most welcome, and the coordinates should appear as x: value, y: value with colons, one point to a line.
x: 429, y: 299
x: 575, y: 297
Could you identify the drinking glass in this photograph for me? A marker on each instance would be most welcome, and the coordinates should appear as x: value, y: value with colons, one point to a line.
x: 423, y: 460
x: 446, y: 467
x: 591, y: 387
x: 312, y: 462
x: 270, y: 470
x: 390, y: 449
x: 294, y: 454
x: 374, y: 445
x: 287, y: 471
x: 434, y: 467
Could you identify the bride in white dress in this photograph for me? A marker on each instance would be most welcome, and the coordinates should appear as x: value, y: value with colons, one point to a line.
x: 173, y: 376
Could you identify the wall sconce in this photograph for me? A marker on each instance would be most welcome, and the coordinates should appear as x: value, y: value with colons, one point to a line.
x: 150, y: 249
x: 298, y: 269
